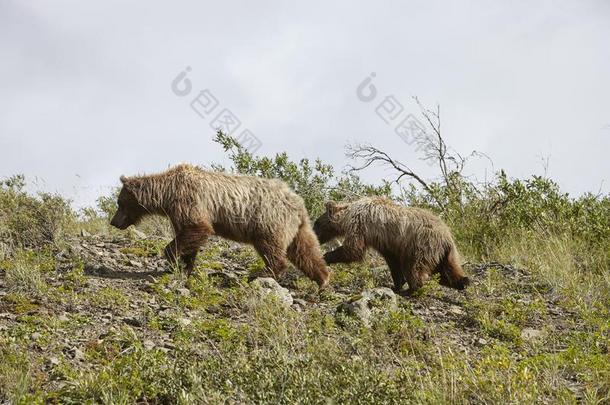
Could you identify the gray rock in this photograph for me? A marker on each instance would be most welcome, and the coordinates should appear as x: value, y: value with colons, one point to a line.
x: 299, y: 302
x: 268, y: 285
x: 531, y: 335
x: 84, y: 233
x: 368, y: 304
x: 148, y: 344
x: 226, y: 279
x: 138, y: 234
x: 77, y: 354
x: 135, y: 263
x: 454, y: 309
x: 133, y: 322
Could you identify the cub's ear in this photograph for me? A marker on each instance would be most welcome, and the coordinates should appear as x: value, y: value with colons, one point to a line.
x: 333, y: 208
x: 123, y: 179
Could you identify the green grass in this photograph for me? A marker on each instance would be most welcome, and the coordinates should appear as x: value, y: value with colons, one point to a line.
x: 235, y: 345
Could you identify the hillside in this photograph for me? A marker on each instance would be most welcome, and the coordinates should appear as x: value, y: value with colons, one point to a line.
x: 90, y: 314
x: 100, y: 320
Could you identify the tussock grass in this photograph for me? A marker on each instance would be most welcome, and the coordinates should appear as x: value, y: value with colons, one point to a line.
x: 25, y: 271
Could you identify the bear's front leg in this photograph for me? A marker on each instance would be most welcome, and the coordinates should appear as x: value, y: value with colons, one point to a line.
x: 187, y: 242
x: 189, y: 262
x: 396, y: 270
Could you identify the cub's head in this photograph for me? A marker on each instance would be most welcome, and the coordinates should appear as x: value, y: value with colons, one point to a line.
x: 328, y: 225
x: 129, y: 211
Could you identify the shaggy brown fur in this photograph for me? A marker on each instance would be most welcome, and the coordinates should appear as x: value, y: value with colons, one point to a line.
x: 414, y: 242
x: 199, y: 203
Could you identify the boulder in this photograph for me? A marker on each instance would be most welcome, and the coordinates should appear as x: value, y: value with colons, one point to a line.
x: 268, y: 285
x: 368, y: 304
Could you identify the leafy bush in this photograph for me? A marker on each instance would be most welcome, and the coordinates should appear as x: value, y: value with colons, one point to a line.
x: 25, y: 271
x: 31, y: 221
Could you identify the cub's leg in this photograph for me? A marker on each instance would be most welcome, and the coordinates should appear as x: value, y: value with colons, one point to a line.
x: 352, y: 250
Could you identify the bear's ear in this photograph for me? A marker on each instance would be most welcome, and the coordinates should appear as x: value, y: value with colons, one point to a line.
x: 333, y: 208
x: 130, y: 184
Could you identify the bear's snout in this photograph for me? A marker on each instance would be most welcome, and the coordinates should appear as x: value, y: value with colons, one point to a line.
x: 119, y: 220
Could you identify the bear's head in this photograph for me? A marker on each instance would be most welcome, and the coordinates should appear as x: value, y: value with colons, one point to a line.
x: 328, y: 225
x: 129, y: 211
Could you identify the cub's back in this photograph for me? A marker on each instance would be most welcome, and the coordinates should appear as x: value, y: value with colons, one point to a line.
x: 387, y: 225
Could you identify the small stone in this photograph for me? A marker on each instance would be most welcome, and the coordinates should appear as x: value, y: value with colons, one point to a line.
x: 63, y: 318
x: 133, y: 322
x: 36, y: 336
x: 225, y: 279
x: 77, y: 354
x: 299, y: 304
x: 184, y: 322
x: 530, y: 334
x: 185, y: 292
x: 53, y: 361
x: 454, y: 309
x: 148, y: 344
x: 7, y: 315
x: 370, y: 302
x: 135, y: 263
x: 481, y: 342
x: 84, y: 233
x: 138, y: 234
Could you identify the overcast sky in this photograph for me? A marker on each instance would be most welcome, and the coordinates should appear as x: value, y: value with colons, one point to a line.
x: 86, y: 88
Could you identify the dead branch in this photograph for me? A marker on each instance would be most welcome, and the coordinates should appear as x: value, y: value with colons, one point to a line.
x: 369, y: 155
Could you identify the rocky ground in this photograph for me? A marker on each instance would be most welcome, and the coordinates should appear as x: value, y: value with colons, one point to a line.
x: 103, y: 286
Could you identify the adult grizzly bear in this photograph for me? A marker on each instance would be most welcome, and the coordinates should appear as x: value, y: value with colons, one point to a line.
x: 199, y: 203
x: 414, y: 242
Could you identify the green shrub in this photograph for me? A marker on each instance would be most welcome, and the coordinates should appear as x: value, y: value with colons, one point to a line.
x: 25, y: 271
x: 30, y: 221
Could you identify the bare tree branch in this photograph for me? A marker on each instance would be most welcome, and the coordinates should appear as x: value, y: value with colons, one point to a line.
x: 369, y: 155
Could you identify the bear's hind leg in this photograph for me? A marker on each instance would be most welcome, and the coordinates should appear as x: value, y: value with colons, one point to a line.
x: 304, y: 252
x: 273, y: 256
